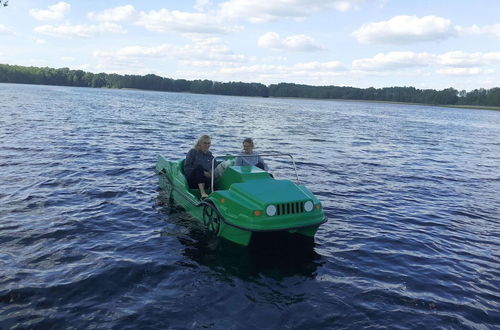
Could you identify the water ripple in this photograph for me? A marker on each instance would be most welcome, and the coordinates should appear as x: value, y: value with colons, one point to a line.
x: 87, y: 241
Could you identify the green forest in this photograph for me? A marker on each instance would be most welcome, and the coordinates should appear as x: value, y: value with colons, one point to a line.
x: 67, y: 77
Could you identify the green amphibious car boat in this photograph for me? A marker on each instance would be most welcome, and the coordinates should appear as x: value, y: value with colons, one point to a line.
x: 244, y: 200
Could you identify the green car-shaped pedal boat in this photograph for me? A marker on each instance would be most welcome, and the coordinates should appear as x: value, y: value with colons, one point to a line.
x: 244, y: 200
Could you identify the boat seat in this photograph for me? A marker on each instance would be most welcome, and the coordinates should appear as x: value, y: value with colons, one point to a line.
x: 194, y: 191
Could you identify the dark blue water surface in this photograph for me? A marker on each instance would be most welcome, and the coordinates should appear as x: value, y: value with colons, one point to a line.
x: 412, y: 194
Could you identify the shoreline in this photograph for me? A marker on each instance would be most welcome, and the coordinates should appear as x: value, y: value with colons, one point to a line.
x: 459, y: 106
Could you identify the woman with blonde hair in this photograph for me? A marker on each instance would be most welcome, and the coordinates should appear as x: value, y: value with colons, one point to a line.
x: 198, y: 164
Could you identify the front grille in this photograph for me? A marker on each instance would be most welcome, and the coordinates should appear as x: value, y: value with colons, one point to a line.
x: 290, y: 208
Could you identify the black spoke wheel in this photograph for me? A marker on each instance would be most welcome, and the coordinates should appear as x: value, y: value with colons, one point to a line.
x: 211, y: 218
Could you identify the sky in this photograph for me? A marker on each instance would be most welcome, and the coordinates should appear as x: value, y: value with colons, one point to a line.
x: 361, y: 43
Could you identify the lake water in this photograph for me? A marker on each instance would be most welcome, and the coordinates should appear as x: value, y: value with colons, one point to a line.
x: 412, y: 196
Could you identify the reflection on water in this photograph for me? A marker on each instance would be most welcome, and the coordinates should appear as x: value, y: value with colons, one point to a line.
x: 274, y: 255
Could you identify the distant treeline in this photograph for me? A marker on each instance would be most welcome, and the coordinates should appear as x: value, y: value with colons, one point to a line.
x: 67, y: 77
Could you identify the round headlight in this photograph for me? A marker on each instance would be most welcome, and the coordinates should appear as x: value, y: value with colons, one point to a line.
x: 271, y: 210
x: 308, y: 206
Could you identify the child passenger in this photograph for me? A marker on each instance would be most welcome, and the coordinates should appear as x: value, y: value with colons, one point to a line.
x: 250, y: 158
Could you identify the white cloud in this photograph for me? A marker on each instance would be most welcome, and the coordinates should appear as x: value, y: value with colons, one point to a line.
x: 201, y: 5
x: 299, y: 42
x: 405, y: 29
x: 298, y: 69
x: 206, y: 63
x: 258, y: 11
x: 258, y: 68
x: 206, y: 53
x: 210, y: 58
x: 393, y: 60
x: 210, y: 20
x: 84, y: 67
x: 81, y: 31
x: 464, y: 71
x: 268, y: 73
x: 456, y: 63
x: 462, y: 59
x: 214, y: 49
x: 320, y: 66
x: 164, y: 20
x: 202, y: 52
x: 343, y: 5
x: 41, y: 41
x: 132, y: 52
x: 55, y: 12
x: 491, y: 57
x: 4, y: 30
x: 117, y: 14
x: 490, y: 30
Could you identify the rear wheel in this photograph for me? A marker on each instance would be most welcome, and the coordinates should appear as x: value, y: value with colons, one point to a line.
x: 211, y: 217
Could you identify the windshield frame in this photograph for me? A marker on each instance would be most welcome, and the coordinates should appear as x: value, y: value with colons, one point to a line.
x: 274, y: 154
